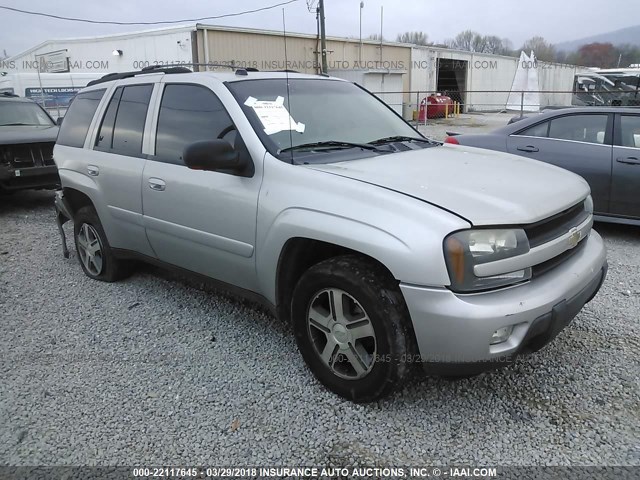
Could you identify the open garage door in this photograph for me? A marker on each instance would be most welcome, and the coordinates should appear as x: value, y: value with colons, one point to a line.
x: 452, y: 79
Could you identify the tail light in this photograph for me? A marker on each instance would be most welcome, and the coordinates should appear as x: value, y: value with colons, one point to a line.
x: 452, y: 141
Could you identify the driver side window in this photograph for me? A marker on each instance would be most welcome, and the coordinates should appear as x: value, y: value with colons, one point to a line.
x: 189, y: 113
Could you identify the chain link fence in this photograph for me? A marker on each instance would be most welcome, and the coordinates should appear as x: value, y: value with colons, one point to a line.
x: 426, y: 105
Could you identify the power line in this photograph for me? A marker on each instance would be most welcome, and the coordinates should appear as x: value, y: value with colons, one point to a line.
x: 105, y: 22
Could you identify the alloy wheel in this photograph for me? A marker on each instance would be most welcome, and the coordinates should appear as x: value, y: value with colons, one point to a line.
x: 342, y: 333
x: 90, y: 249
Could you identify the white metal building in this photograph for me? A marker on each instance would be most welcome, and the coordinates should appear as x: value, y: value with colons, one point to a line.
x: 401, y: 74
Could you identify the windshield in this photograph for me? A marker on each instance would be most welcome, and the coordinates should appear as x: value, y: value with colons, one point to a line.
x: 324, y: 113
x: 23, y: 113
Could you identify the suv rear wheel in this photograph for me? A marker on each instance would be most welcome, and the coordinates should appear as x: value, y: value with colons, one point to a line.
x: 95, y: 254
x: 352, y: 327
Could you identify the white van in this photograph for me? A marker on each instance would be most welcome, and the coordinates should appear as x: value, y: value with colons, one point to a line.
x: 53, y: 91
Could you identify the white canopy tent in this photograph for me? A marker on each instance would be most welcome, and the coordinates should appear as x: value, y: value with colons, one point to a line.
x: 525, y: 90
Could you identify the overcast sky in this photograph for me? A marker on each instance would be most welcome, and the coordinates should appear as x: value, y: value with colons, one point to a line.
x: 556, y: 20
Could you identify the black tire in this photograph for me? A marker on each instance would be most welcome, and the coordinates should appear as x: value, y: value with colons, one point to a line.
x: 378, y: 294
x: 111, y: 269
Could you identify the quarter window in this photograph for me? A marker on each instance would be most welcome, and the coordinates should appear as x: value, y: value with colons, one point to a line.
x: 630, y: 130
x: 188, y: 114
x: 579, y: 128
x: 78, y: 118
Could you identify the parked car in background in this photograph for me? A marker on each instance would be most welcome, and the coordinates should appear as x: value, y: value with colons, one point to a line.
x: 601, y: 144
x: 52, y: 91
x: 27, y: 136
x: 309, y: 194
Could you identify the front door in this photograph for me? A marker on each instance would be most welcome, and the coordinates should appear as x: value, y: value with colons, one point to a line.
x: 202, y: 221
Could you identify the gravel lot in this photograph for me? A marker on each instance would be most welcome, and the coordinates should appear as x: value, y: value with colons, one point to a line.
x: 157, y: 370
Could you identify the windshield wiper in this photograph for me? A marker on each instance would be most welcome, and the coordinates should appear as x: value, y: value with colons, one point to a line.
x: 329, y: 145
x: 20, y: 124
x: 401, y: 138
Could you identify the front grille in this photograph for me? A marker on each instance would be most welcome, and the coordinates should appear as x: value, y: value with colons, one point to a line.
x: 543, y: 268
x: 27, y: 155
x: 553, y: 227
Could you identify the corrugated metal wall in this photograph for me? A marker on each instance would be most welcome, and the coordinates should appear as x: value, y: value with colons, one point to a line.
x: 265, y: 51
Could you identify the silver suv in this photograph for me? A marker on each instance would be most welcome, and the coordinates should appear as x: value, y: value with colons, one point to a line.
x: 306, y: 193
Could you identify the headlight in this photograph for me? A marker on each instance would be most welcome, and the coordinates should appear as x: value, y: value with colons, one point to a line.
x: 466, y: 249
x: 588, y: 205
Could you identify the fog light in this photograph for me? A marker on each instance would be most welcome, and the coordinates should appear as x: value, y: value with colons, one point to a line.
x: 501, y: 335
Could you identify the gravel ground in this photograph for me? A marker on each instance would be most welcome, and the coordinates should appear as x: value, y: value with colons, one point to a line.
x: 155, y: 370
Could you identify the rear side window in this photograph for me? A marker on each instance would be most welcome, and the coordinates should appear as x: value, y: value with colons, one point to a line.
x: 579, y: 128
x: 540, y: 130
x: 78, y: 118
x: 188, y: 114
x: 123, y: 123
x: 630, y: 130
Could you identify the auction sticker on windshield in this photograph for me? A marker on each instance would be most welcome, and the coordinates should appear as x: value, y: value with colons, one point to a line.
x: 274, y: 116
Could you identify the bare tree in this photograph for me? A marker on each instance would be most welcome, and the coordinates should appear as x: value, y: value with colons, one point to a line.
x: 463, y: 41
x: 543, y: 50
x: 474, y: 42
x: 416, y: 38
x: 376, y: 36
x: 4, y: 54
x: 497, y: 45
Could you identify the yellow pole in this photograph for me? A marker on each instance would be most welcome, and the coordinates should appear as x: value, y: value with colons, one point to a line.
x: 446, y: 110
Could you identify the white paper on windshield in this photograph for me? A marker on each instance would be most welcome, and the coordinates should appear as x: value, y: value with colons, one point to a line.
x: 274, y: 116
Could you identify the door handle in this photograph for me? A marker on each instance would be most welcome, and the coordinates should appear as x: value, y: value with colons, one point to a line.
x: 157, y: 184
x: 628, y: 160
x: 529, y: 149
x: 93, y: 170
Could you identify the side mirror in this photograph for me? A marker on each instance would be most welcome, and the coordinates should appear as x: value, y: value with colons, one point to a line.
x: 214, y: 155
x: 59, y: 121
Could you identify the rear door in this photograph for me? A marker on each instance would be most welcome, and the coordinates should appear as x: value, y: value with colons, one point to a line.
x: 202, y: 221
x: 579, y: 142
x: 625, y: 182
x: 117, y: 162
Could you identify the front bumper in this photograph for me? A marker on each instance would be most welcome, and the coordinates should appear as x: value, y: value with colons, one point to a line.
x: 28, y: 177
x: 454, y: 331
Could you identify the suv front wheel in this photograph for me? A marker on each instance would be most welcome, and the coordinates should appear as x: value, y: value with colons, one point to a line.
x: 95, y: 254
x: 352, y: 327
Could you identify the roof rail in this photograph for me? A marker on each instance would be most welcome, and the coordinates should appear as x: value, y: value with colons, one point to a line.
x: 120, y: 75
x: 167, y: 68
x: 238, y: 70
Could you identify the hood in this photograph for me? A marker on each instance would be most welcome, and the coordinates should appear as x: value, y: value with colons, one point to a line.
x: 482, y: 186
x: 27, y: 134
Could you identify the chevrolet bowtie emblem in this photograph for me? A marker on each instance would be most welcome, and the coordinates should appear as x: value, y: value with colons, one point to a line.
x: 574, y: 238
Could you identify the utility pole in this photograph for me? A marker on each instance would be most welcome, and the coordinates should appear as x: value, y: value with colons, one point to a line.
x: 323, y: 37
x: 360, y: 55
x: 381, y: 24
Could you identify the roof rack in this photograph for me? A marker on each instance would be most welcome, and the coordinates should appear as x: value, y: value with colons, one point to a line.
x: 167, y: 68
x: 238, y: 70
x: 120, y: 75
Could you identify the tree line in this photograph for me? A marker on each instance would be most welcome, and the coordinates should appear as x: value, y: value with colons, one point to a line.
x: 601, y: 55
